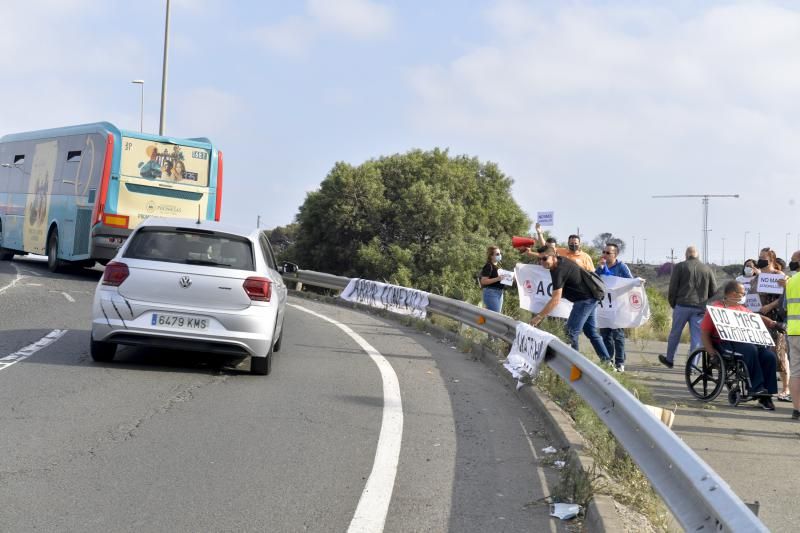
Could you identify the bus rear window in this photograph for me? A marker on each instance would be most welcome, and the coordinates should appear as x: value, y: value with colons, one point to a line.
x: 172, y: 163
x: 212, y: 249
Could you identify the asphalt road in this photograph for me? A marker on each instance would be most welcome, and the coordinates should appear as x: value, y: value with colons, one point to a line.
x: 159, y: 441
x: 755, y: 451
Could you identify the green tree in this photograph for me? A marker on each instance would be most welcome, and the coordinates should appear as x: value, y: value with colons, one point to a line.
x: 421, y: 219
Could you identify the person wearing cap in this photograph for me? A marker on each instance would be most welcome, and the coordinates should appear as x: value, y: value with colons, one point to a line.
x: 151, y: 169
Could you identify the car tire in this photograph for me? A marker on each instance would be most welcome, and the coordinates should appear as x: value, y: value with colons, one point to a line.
x: 102, y: 352
x: 277, y: 346
x: 53, y: 263
x: 261, y: 366
x: 6, y: 254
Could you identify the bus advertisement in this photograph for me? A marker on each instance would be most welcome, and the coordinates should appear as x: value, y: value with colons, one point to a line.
x: 74, y: 194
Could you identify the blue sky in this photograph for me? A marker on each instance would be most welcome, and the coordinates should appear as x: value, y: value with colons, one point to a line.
x: 591, y: 107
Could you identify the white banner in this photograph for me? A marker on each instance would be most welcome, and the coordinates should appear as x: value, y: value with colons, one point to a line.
x: 625, y: 304
x: 739, y: 326
x: 392, y: 298
x: 527, y: 351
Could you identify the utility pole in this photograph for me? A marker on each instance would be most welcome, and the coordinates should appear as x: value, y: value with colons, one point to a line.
x: 723, y: 252
x: 705, y: 198
x: 644, y: 253
x: 633, y: 253
x: 672, y: 256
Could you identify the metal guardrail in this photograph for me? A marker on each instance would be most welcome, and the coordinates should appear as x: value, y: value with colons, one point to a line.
x: 698, y: 497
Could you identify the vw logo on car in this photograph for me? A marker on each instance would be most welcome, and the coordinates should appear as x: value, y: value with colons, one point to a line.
x: 185, y: 282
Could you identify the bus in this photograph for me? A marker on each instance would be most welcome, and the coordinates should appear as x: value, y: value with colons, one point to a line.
x: 75, y: 193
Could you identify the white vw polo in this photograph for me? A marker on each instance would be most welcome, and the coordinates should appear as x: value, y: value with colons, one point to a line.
x: 196, y: 286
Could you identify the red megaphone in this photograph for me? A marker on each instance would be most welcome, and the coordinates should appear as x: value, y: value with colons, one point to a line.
x: 522, y: 242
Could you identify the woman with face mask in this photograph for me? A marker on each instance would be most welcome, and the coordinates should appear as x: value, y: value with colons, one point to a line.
x: 749, y: 271
x: 490, y: 280
x: 770, y: 307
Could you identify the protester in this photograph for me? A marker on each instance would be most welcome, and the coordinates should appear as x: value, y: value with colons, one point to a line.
x: 572, y: 251
x: 568, y: 282
x: 691, y: 285
x: 792, y: 305
x: 759, y: 360
x: 749, y: 271
x: 490, y: 280
x: 771, y: 307
x: 614, y: 338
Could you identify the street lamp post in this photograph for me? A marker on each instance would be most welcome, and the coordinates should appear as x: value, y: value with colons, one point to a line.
x: 786, y: 245
x: 140, y: 83
x: 644, y: 251
x: 745, y: 247
x: 164, y: 75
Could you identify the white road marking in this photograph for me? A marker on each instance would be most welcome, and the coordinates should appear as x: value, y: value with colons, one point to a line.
x: 14, y: 281
x: 33, y: 284
x: 68, y: 297
x: 370, y: 514
x: 31, y: 349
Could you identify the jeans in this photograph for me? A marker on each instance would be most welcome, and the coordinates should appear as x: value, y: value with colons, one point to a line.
x: 583, y: 318
x: 493, y: 299
x: 760, y: 362
x: 614, y: 339
x: 680, y: 316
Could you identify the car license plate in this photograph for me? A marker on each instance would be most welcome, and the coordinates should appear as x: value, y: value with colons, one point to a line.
x: 178, y: 321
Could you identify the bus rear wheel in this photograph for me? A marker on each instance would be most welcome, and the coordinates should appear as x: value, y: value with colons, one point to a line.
x: 53, y: 263
x: 6, y: 254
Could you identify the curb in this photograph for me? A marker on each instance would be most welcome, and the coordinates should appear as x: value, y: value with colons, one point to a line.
x: 600, y: 514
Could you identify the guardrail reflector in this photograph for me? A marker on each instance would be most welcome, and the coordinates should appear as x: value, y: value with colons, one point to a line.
x: 575, y: 373
x: 481, y: 319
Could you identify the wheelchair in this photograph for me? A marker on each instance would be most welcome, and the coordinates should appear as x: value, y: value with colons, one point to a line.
x: 707, y: 374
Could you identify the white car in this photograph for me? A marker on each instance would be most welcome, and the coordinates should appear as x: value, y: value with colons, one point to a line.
x: 189, y: 285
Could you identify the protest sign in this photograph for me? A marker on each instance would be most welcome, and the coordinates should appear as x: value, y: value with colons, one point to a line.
x: 739, y: 326
x: 624, y: 306
x: 753, y: 302
x: 506, y: 276
x: 392, y: 298
x: 527, y: 351
x: 768, y: 283
x: 545, y: 218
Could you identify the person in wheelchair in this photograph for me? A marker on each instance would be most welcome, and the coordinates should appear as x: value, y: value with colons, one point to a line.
x: 761, y: 363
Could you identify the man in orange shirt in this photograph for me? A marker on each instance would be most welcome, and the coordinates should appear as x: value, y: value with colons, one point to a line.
x: 572, y: 251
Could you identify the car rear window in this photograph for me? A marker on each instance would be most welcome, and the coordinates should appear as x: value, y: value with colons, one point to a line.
x: 191, y: 248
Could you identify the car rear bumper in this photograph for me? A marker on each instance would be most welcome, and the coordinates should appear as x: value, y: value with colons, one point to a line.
x: 246, y: 332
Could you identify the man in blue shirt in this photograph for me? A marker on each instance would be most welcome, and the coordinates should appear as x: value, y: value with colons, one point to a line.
x: 613, y: 338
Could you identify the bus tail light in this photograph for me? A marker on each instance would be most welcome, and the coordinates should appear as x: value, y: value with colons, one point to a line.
x: 100, y: 204
x: 115, y: 274
x: 116, y: 221
x: 258, y: 289
x: 218, y: 210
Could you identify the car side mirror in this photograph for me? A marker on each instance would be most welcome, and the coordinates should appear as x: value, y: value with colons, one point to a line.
x: 288, y: 268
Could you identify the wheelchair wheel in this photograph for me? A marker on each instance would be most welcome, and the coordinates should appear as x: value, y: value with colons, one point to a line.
x: 705, y: 375
x: 734, y: 396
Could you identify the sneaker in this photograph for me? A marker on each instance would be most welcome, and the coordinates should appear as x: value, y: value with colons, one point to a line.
x: 666, y: 362
x: 761, y: 392
x: 766, y: 403
x: 795, y: 414
x: 620, y: 368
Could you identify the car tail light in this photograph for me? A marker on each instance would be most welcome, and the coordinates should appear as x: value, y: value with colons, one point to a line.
x: 258, y: 289
x: 115, y: 274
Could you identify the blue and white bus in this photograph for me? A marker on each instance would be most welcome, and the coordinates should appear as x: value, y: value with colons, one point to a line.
x: 74, y: 194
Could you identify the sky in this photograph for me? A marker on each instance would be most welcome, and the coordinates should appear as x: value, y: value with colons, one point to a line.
x: 592, y: 108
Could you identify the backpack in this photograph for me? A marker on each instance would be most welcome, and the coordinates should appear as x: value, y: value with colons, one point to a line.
x: 594, y: 283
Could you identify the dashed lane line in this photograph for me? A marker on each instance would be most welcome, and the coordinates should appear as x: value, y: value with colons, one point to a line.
x: 14, y: 281
x: 68, y: 297
x: 29, y: 350
x: 373, y: 506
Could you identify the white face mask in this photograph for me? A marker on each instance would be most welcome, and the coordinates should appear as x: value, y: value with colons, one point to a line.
x: 498, y: 257
x: 743, y: 300
x: 748, y: 271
